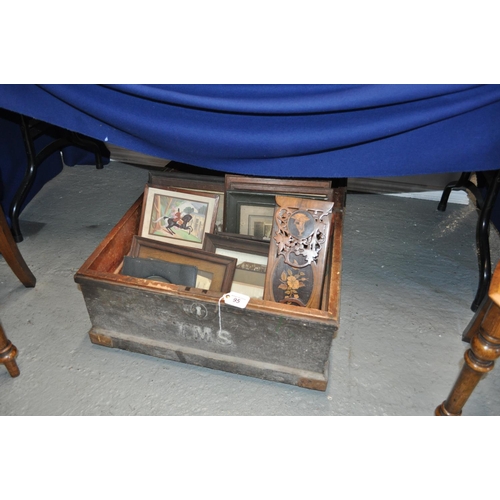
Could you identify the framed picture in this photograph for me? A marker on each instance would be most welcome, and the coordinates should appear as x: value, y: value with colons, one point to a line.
x: 198, y: 182
x: 250, y: 201
x: 187, y: 180
x: 215, y: 272
x: 179, y: 217
x: 311, y: 188
x: 251, y: 255
x: 249, y: 214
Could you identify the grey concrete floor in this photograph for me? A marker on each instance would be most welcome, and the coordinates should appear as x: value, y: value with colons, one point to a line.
x: 409, y: 277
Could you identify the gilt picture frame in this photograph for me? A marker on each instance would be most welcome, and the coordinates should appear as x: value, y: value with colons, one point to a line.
x: 177, y: 216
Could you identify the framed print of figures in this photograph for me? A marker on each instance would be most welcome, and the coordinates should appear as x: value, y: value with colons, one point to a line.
x: 298, y: 252
x: 178, y: 217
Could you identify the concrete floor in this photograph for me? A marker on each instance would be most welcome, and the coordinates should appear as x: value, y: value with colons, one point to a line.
x: 409, y: 277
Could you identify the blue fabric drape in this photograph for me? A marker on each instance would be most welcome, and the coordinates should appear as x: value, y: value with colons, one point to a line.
x: 14, y: 162
x: 283, y: 130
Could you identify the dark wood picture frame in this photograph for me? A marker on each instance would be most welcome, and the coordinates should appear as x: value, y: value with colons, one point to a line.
x: 251, y: 254
x: 243, y: 191
x: 185, y: 180
x: 317, y: 188
x: 156, y: 225
x: 220, y: 267
x: 238, y: 201
x: 237, y: 242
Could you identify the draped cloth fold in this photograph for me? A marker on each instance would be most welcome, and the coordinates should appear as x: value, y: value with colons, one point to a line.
x: 283, y: 130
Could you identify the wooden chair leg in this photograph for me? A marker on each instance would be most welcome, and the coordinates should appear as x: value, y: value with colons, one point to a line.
x: 8, y: 353
x: 477, y: 319
x: 483, y: 333
x: 11, y: 254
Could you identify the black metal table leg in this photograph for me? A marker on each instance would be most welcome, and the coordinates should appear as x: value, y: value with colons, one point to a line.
x: 88, y: 144
x: 482, y: 240
x: 31, y: 130
x: 23, y: 190
x: 485, y: 207
x: 464, y: 183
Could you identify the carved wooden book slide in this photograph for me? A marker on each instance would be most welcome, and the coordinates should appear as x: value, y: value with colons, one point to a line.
x: 298, y: 251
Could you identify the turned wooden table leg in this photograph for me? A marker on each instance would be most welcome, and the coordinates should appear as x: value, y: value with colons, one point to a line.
x: 11, y: 254
x: 8, y: 353
x: 479, y: 358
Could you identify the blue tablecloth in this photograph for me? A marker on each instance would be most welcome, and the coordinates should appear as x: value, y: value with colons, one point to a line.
x: 283, y: 130
x: 327, y: 131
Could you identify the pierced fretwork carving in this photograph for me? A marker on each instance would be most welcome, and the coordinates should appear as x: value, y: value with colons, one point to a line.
x: 298, y: 251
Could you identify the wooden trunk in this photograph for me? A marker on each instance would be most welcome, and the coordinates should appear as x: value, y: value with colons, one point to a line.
x: 267, y: 340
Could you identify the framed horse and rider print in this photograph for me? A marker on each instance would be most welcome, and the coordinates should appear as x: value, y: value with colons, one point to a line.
x: 177, y: 216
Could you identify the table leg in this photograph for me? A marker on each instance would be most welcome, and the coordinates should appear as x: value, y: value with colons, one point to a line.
x: 464, y: 184
x: 8, y: 353
x: 480, y: 358
x: 485, y: 207
x: 31, y: 130
x: 11, y: 254
x: 482, y: 240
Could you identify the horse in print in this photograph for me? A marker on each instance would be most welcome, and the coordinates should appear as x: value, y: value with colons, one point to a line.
x: 182, y: 223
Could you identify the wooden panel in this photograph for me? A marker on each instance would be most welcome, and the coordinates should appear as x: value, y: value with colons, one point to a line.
x: 168, y: 323
x: 298, y: 252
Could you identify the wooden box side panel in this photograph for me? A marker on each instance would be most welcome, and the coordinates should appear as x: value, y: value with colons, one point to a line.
x: 184, y: 321
x: 335, y: 275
